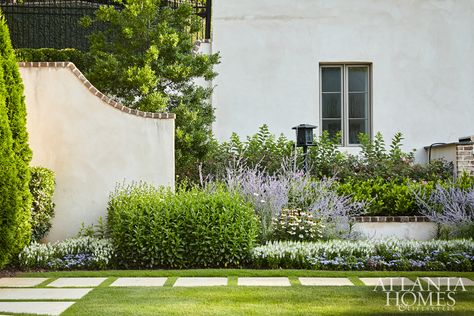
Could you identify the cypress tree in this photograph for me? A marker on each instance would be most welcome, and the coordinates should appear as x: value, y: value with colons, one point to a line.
x: 9, y: 195
x: 16, y: 112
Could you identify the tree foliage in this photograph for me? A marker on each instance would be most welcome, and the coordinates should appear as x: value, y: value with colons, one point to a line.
x: 143, y: 56
x: 8, y: 174
x: 15, y: 155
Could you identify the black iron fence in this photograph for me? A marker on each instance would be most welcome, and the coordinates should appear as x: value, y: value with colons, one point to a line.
x: 202, y: 8
x: 55, y: 23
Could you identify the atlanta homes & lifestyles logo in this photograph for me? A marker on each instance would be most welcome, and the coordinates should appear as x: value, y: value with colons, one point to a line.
x: 434, y: 294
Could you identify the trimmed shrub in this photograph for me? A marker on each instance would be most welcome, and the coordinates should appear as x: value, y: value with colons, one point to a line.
x: 78, y: 58
x: 190, y: 228
x: 73, y: 253
x: 42, y: 209
x: 393, y: 197
x: 392, y: 254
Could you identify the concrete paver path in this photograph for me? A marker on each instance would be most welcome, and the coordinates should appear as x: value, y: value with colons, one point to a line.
x: 325, y: 281
x: 43, y: 308
x: 269, y: 281
x: 200, y: 281
x: 42, y: 294
x: 139, y: 282
x: 77, y: 282
x: 387, y: 281
x: 444, y: 281
x: 21, y: 282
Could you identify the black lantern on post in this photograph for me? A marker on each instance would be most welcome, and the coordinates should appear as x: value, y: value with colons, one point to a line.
x: 304, y: 138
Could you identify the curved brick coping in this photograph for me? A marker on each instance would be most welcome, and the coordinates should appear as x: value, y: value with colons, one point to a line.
x: 388, y: 219
x: 96, y: 92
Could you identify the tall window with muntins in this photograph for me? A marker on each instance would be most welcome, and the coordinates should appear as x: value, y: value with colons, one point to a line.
x: 345, y: 101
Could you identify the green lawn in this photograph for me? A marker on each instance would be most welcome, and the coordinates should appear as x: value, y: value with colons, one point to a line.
x: 245, y: 301
x: 233, y: 300
x: 242, y: 273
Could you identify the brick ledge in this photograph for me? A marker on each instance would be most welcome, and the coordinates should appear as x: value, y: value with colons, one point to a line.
x: 96, y: 92
x: 390, y: 219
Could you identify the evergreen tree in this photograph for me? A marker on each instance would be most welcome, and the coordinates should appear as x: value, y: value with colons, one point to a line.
x: 9, y: 197
x: 143, y: 56
x: 16, y: 112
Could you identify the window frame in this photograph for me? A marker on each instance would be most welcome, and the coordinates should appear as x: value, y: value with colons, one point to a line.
x: 344, y: 66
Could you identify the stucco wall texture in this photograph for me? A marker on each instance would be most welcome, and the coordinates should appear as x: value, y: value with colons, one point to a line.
x: 90, y: 145
x: 421, y: 52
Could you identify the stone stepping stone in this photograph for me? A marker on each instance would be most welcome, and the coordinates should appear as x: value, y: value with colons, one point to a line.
x: 325, y: 281
x: 200, y: 281
x: 77, y: 282
x: 387, y: 281
x: 42, y: 294
x: 21, y: 282
x: 443, y: 281
x: 42, y: 308
x: 268, y: 281
x: 139, y: 282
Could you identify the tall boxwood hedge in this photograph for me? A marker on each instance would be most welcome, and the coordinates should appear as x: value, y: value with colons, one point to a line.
x: 75, y: 56
x: 188, y: 229
x: 16, y: 216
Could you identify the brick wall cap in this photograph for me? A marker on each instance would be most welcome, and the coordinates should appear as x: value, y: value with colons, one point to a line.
x: 390, y: 219
x: 97, y: 93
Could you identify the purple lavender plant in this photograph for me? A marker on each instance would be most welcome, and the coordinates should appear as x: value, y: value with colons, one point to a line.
x: 267, y: 194
x: 451, y: 207
x: 334, y: 210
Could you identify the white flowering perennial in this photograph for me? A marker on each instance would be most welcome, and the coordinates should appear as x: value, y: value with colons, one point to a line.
x: 391, y: 254
x: 296, y: 225
x: 74, y: 253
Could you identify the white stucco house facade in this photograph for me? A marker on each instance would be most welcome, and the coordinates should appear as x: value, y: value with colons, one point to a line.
x: 355, y: 66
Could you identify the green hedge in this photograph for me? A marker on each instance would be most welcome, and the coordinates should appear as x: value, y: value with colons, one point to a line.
x: 386, y: 197
x: 78, y: 58
x: 396, y: 196
x: 42, y: 209
x: 188, y: 229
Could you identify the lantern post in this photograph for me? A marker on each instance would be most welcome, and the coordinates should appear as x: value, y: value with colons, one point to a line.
x: 304, y: 138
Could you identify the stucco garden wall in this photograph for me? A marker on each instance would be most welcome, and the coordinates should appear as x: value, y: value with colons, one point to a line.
x: 400, y: 227
x: 421, y: 55
x: 91, y: 143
